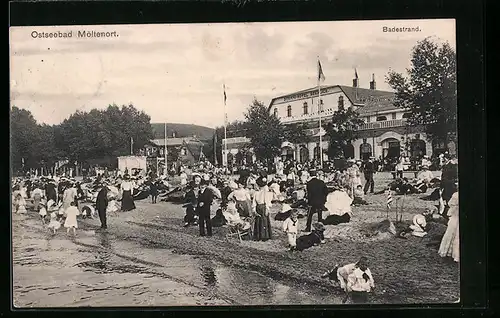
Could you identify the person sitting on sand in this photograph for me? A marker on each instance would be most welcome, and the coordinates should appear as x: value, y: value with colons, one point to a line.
x: 219, y: 220
x: 423, y: 180
x: 314, y: 238
x: 290, y: 228
x: 338, y: 206
x: 340, y: 274
x: 360, y: 283
x: 359, y: 196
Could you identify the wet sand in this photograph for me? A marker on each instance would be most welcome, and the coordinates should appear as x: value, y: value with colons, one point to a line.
x: 147, y: 258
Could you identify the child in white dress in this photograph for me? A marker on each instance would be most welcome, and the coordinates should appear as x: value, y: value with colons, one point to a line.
x: 71, y: 222
x: 54, y: 224
x: 290, y: 228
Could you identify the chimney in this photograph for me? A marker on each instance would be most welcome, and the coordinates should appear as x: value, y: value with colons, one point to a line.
x: 373, y: 84
x: 355, y: 80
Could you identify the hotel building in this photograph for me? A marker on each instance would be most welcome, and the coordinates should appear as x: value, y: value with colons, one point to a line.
x: 383, y: 134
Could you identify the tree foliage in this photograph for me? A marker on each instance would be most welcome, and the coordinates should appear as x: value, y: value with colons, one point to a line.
x: 83, y: 136
x: 342, y: 130
x: 295, y: 133
x: 264, y: 130
x: 430, y: 89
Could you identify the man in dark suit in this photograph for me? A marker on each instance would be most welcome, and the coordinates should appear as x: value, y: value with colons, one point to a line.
x: 102, y: 205
x: 316, y: 198
x: 369, y: 170
x: 205, y: 200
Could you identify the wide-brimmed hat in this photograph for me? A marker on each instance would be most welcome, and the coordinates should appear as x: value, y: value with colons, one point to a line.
x: 419, y: 219
x: 425, y: 166
x: 319, y: 226
x: 285, y: 208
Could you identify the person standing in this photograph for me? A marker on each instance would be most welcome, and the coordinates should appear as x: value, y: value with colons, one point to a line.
x: 153, y: 190
x: 127, y: 199
x: 205, y: 200
x: 50, y: 190
x: 369, y: 171
x: 450, y: 243
x: 317, y: 192
x: 102, y: 205
x: 69, y: 195
x: 262, y: 202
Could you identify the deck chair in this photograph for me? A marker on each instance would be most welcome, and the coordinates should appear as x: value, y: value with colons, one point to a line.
x: 237, y: 231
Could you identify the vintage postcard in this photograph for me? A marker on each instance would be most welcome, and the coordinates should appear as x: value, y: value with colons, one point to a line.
x: 234, y: 164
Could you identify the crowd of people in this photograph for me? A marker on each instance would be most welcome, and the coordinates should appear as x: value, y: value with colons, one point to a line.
x: 243, y: 202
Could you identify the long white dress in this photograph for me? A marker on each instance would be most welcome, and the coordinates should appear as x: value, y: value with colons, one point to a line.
x: 450, y: 244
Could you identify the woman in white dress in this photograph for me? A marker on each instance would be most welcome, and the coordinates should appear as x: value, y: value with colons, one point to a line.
x: 450, y: 244
x: 127, y: 199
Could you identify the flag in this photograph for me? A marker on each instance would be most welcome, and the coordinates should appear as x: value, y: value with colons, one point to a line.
x: 225, y: 97
x: 321, y: 75
x: 356, y: 74
x: 389, y: 199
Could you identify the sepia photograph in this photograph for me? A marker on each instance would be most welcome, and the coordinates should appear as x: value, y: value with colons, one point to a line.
x: 234, y: 164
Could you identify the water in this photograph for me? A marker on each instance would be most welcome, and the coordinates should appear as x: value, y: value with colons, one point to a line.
x: 96, y: 270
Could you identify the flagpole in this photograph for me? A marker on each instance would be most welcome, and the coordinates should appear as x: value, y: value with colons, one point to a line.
x: 320, y: 111
x: 165, y: 152
x: 131, y: 146
x: 225, y: 129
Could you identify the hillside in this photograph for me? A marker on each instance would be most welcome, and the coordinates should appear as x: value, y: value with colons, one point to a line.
x: 182, y: 130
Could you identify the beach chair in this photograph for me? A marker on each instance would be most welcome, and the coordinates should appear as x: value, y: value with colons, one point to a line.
x: 238, y: 231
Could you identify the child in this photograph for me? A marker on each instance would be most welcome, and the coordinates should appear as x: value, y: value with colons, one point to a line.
x: 71, y: 222
x: 359, y: 196
x: 20, y: 204
x: 290, y: 228
x: 360, y: 282
x: 54, y: 224
x: 42, y: 212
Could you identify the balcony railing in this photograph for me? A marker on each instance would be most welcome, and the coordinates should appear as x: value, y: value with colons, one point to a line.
x: 383, y: 124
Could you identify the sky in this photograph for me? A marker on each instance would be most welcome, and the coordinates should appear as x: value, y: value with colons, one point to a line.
x: 176, y: 72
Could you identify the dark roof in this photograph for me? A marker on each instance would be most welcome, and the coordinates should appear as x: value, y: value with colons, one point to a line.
x: 365, y: 95
x: 368, y: 100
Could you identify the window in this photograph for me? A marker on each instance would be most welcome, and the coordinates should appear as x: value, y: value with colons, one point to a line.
x: 276, y: 112
x: 341, y: 102
x: 381, y: 118
x: 368, y: 119
x: 321, y: 105
x: 393, y: 115
x: 306, y: 109
x: 289, y: 111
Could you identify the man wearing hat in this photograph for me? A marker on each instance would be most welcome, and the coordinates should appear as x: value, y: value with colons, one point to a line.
x: 205, y: 200
x: 369, y: 171
x: 317, y: 192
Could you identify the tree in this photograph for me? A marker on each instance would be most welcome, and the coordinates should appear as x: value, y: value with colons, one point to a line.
x: 264, y: 130
x: 295, y: 133
x: 430, y: 90
x: 342, y: 130
x: 104, y: 133
x: 23, y: 132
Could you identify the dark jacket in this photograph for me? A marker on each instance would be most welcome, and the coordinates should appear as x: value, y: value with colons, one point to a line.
x: 368, y: 167
x: 102, y: 199
x: 316, y: 192
x: 207, y: 197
